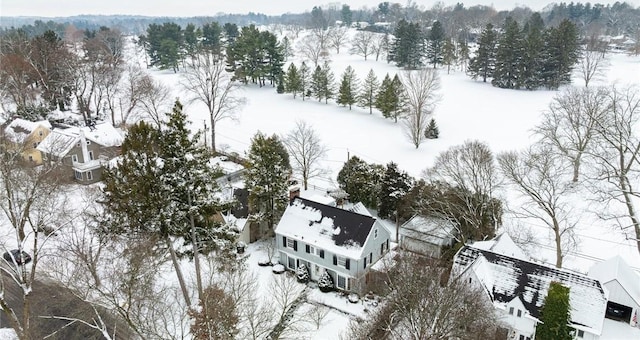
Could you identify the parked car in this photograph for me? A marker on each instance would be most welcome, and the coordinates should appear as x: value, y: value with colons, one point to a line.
x: 14, y: 255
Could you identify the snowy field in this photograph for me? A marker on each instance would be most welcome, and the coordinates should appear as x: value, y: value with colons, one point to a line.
x: 468, y: 110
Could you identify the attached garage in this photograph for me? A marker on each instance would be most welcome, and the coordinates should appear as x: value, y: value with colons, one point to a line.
x: 623, y: 285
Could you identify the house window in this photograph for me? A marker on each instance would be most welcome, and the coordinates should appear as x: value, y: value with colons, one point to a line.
x: 78, y: 175
x: 469, y: 280
x: 521, y: 337
x: 342, y: 261
x: 519, y: 313
x: 91, y: 155
x: 382, y: 249
x: 580, y: 334
x: 89, y: 175
x: 370, y: 257
x: 290, y: 243
x: 74, y: 158
x: 510, y: 310
x: 375, y: 233
x: 365, y: 262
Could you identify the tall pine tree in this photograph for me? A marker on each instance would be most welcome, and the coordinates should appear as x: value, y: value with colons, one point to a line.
x: 483, y: 64
x: 305, y: 80
x: 369, y: 91
x: 508, y: 71
x: 292, y: 81
x: 532, y: 57
x: 393, y: 188
x: 436, y: 44
x: 348, y: 92
x: 267, y: 179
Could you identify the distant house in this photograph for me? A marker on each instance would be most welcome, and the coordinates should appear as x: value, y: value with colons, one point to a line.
x: 517, y: 289
x: 83, y: 150
x: 426, y: 235
x: 323, y: 237
x: 502, y: 244
x: 26, y: 136
x: 623, y: 285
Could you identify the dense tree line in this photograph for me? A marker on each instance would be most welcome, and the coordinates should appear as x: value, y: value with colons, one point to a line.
x: 528, y: 57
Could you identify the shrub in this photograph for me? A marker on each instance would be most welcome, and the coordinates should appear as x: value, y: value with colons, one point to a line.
x: 302, y: 273
x: 326, y: 282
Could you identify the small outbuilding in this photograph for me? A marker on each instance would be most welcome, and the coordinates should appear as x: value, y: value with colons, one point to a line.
x: 623, y: 285
x: 426, y: 235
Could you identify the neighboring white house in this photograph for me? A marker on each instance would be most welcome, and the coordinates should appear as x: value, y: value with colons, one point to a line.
x: 326, y: 238
x: 426, y: 235
x: 518, y: 288
x: 623, y: 285
x: 502, y: 244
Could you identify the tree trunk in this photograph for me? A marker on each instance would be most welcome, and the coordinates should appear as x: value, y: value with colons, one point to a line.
x: 635, y: 222
x: 556, y: 233
x: 576, y: 167
x: 213, y: 134
x: 196, y: 253
x: 176, y: 266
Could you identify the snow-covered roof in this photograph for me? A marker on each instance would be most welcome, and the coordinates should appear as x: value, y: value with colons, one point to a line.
x: 322, y: 199
x: 336, y: 230
x: 429, y: 229
x: 61, y: 140
x: 19, y: 129
x: 617, y: 269
x: 104, y: 134
x: 360, y: 209
x: 502, y: 244
x: 506, y: 278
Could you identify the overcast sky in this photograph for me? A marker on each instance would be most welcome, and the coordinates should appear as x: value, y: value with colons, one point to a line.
x: 52, y: 8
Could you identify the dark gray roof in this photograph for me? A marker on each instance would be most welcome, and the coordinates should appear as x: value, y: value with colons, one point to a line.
x: 506, y: 278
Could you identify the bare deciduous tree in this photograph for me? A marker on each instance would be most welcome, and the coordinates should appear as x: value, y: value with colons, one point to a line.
x: 35, y: 205
x: 592, y: 66
x: 569, y: 125
x: 422, y: 304
x: 471, y: 171
x: 618, y: 158
x: 420, y: 97
x: 338, y: 37
x: 541, y: 178
x: 380, y: 45
x: 207, y: 81
x: 286, y: 293
x: 362, y: 44
x: 306, y: 151
x: 155, y: 100
x: 317, y: 314
x: 311, y: 49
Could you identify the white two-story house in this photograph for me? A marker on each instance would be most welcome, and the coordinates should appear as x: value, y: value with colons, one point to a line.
x: 517, y: 288
x: 345, y: 243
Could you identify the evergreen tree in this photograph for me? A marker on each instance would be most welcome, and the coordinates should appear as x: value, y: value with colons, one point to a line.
x: 448, y: 54
x: 507, y: 73
x: 408, y: 47
x: 436, y: 44
x: 316, y: 83
x: 532, y: 58
x: 325, y: 283
x: 322, y: 82
x: 348, y: 92
x: 463, y: 53
x: 267, y: 178
x: 483, y: 64
x: 560, y: 54
x: 432, y: 131
x: 292, y: 81
x: 305, y: 81
x: 388, y: 100
x: 361, y: 181
x: 369, y: 90
x: 393, y: 188
x: 555, y: 314
x: 302, y: 273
